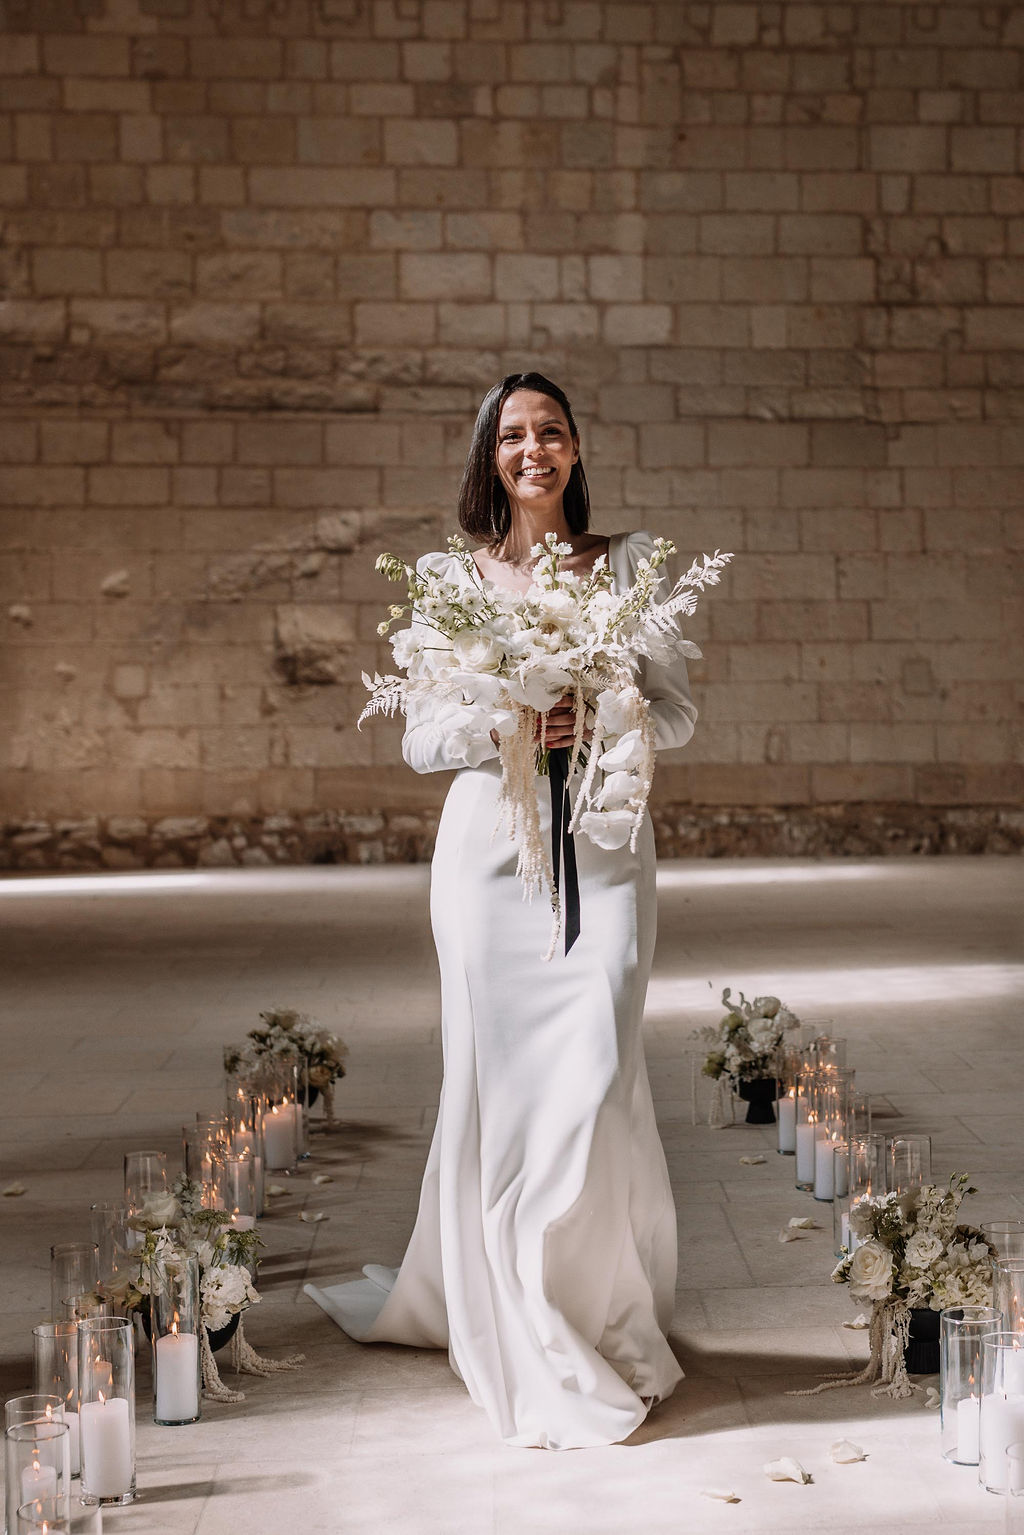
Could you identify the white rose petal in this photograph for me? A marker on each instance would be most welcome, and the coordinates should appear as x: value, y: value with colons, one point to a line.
x: 14, y: 1190
x: 803, y: 1223
x: 752, y: 1161
x: 312, y: 1215
x: 859, y: 1324
x: 719, y: 1494
x: 844, y: 1452
x: 786, y: 1470
x: 322, y: 1178
x: 787, y: 1234
x: 276, y: 1188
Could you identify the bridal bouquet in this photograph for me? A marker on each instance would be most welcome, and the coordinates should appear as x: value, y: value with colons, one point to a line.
x: 744, y: 1044
x: 491, y: 659
x: 910, y: 1246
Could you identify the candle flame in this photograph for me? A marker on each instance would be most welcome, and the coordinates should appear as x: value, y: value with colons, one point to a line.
x: 35, y: 1462
x: 49, y: 1411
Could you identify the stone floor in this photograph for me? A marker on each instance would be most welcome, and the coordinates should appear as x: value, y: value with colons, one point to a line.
x: 118, y: 991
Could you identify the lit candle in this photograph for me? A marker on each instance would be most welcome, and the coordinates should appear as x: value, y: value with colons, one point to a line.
x: 786, y: 1109
x: 38, y: 1481
x: 968, y: 1431
x: 176, y: 1369
x: 279, y: 1136
x: 823, y: 1180
x: 243, y: 1222
x: 806, y: 1136
x: 244, y: 1141
x: 106, y: 1447
x: 1002, y: 1424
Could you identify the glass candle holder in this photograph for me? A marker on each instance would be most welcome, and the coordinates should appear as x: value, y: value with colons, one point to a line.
x: 175, y: 1329
x: 1002, y: 1405
x: 827, y: 1051
x: 145, y: 1173
x: 114, y: 1238
x: 1008, y: 1292
x: 1006, y: 1238
x: 93, y: 1303
x: 37, y: 1461
x: 961, y: 1329
x: 236, y: 1190
x: 1015, y: 1488
x: 74, y: 1273
x: 106, y: 1384
x: 808, y: 1127
x: 201, y: 1160
x: 44, y: 1516
x: 910, y: 1161
x: 55, y: 1369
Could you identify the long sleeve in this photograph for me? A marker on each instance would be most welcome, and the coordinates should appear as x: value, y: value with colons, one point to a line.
x: 433, y: 741
x: 667, y: 688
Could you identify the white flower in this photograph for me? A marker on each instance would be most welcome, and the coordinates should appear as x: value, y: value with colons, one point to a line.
x: 615, y: 710
x: 558, y: 607
x: 539, y: 684
x: 871, y: 1271
x: 477, y: 650
x: 922, y: 1249
x: 155, y: 1211
x: 609, y: 829
x: 628, y: 752
x: 467, y: 732
x: 406, y: 645
x: 224, y: 1291
x: 617, y: 790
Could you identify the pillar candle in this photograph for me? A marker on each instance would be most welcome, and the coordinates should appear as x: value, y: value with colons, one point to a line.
x: 176, y: 1367
x: 786, y: 1110
x: 279, y: 1136
x: 823, y: 1180
x: 243, y: 1222
x: 243, y: 1141
x: 968, y: 1431
x: 1002, y: 1424
x: 38, y: 1481
x: 106, y: 1448
x: 806, y: 1136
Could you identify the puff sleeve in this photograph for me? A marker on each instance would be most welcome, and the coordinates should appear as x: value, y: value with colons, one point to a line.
x: 433, y: 741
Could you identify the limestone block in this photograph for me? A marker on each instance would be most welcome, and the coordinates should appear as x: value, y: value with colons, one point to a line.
x: 312, y: 643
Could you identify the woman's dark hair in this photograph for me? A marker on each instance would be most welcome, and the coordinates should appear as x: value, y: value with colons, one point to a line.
x: 484, y: 512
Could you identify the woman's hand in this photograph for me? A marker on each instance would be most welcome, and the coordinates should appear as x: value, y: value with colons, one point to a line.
x: 560, y: 725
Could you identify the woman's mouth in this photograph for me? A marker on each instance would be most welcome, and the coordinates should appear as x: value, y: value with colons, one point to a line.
x: 535, y: 472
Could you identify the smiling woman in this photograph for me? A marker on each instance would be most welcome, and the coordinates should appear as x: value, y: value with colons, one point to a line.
x: 544, y: 1252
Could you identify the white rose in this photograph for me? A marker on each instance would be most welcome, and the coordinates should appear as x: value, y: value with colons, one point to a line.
x: 609, y: 829
x: 157, y: 1210
x: 922, y: 1249
x: 628, y: 752
x: 871, y: 1271
x: 477, y: 650
x: 557, y: 606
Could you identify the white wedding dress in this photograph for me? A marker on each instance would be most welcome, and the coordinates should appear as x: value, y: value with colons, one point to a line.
x: 544, y: 1251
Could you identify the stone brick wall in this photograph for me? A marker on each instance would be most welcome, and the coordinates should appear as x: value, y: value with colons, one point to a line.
x: 262, y: 259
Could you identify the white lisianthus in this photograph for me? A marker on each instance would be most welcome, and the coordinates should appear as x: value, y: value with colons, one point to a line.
x: 871, y: 1271
x: 609, y: 829
x: 225, y: 1290
x: 617, y: 790
x: 477, y: 650
x: 922, y: 1249
x: 628, y: 752
x: 557, y: 607
x: 406, y: 645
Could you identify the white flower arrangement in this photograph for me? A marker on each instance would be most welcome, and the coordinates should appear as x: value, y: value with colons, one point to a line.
x: 912, y: 1248
x: 283, y: 1031
x: 745, y: 1042
x: 176, y: 1225
x: 492, y: 659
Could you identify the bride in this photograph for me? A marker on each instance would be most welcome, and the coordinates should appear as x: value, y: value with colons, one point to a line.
x: 544, y: 1251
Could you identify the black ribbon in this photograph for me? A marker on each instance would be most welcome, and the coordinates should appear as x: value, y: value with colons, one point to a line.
x: 563, y: 847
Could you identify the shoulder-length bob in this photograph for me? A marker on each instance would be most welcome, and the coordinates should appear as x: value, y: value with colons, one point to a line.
x: 484, y: 511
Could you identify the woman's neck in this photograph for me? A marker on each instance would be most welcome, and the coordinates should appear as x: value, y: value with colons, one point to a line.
x: 529, y: 527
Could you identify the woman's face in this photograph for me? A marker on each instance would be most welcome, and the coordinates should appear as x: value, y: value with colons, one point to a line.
x: 535, y: 451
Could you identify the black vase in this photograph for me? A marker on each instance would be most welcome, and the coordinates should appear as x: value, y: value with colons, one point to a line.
x: 922, y: 1350
x: 759, y: 1094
